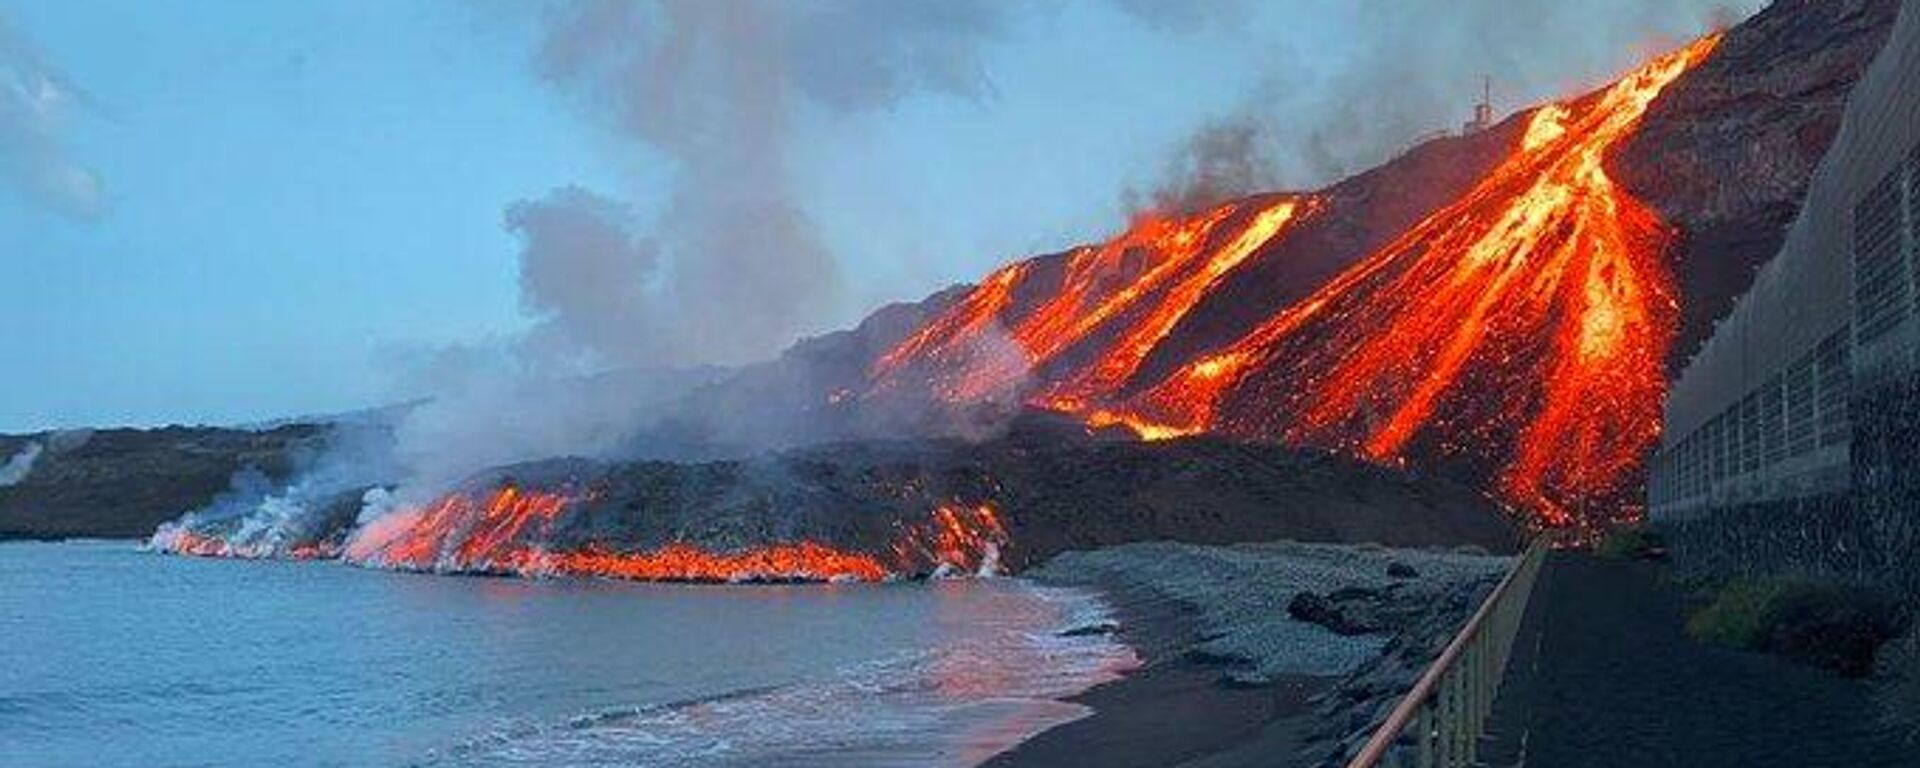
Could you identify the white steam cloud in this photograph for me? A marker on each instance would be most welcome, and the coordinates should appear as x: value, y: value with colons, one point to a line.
x: 736, y: 269
x: 1412, y: 69
x: 627, y: 304
x: 20, y: 465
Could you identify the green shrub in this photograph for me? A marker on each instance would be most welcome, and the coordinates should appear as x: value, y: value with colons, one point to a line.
x: 1834, y: 627
x: 1736, y: 618
x: 1630, y: 543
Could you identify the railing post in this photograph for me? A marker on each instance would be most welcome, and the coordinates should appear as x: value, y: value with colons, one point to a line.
x: 1450, y: 704
x: 1425, y: 723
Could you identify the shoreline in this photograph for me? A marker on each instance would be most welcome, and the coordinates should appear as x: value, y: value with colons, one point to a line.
x: 1226, y: 674
x: 1233, y: 673
x: 1174, y: 709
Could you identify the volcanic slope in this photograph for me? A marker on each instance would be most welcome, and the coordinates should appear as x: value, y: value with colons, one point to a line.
x: 1509, y: 321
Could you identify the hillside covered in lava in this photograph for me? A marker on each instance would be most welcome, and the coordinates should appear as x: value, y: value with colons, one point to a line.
x: 1483, y: 326
x: 1505, y: 307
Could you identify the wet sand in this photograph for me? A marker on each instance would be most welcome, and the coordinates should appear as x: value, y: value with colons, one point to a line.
x: 1174, y: 710
x: 1177, y: 714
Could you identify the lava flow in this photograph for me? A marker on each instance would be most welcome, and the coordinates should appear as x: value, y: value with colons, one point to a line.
x: 958, y: 538
x: 1517, y: 332
x: 1099, y: 316
x: 511, y: 530
x: 1523, y: 326
x: 180, y: 539
x: 459, y: 533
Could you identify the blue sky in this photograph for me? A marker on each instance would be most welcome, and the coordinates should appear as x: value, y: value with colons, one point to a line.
x: 291, y: 192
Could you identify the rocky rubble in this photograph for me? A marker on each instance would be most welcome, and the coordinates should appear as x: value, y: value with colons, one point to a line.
x: 1422, y: 618
x: 1245, y: 601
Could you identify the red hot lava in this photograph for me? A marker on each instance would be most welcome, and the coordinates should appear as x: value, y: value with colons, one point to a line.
x: 1100, y: 314
x: 1520, y: 329
x: 506, y: 532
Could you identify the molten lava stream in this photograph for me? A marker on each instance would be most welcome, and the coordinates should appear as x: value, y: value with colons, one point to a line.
x: 1127, y: 294
x: 957, y: 538
x: 1523, y: 323
x: 507, y: 532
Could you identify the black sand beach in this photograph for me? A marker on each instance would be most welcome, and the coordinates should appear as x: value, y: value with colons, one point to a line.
x: 1174, y: 710
x: 1227, y: 678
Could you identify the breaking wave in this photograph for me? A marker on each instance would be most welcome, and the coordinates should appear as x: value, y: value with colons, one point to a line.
x: 956, y: 705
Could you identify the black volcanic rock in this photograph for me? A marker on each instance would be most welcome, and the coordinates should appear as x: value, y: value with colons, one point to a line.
x: 121, y: 483
x: 1053, y: 490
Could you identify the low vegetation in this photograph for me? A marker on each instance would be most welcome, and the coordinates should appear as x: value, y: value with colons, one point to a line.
x: 1637, y: 542
x: 1830, y: 626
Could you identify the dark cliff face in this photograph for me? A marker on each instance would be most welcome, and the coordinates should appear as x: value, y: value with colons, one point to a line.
x: 1726, y: 153
x: 122, y: 483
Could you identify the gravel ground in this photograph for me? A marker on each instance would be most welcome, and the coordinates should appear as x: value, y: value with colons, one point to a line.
x: 1239, y: 595
x: 1231, y: 680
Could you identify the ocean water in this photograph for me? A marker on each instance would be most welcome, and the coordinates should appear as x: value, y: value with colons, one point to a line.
x: 111, y: 656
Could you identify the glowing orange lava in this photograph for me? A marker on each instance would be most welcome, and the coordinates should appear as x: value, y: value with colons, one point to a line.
x: 958, y: 537
x: 1111, y: 306
x: 457, y: 532
x: 1519, y: 329
x: 507, y: 531
x: 804, y: 561
x: 1525, y: 322
x: 180, y: 540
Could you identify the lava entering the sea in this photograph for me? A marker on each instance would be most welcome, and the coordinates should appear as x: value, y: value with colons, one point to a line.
x: 1518, y: 331
x: 512, y: 530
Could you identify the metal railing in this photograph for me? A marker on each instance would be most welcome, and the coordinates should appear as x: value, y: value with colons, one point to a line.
x: 1440, y: 720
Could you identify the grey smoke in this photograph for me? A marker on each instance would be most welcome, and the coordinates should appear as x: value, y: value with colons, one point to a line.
x: 36, y: 104
x: 592, y: 281
x: 629, y: 305
x: 729, y: 266
x: 20, y: 465
x: 1413, y: 69
x: 1226, y: 158
x: 1183, y: 15
x: 734, y: 268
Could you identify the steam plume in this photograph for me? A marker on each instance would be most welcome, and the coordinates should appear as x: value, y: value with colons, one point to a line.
x: 20, y: 465
x: 736, y: 269
x: 1411, y: 69
x: 592, y: 280
x: 1226, y: 158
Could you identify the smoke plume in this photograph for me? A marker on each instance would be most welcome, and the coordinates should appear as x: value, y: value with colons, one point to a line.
x: 734, y: 268
x: 36, y: 103
x: 590, y: 279
x: 1410, y: 70
x: 20, y: 465
x: 1226, y: 158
